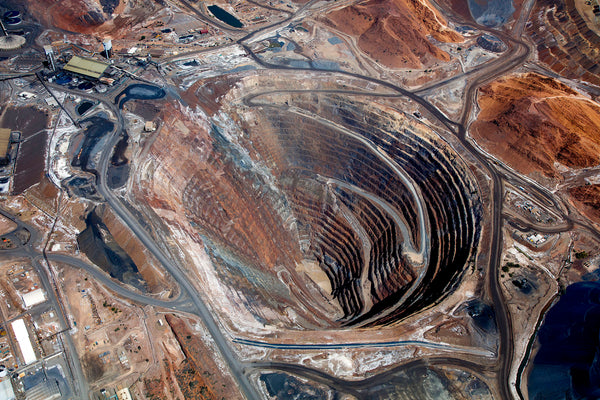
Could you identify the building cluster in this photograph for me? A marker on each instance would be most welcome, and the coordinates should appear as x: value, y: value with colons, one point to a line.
x: 28, y: 342
x: 537, y: 238
x: 78, y: 72
x: 95, y: 71
x: 119, y: 394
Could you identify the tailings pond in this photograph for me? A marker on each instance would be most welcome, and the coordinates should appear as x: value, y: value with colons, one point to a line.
x: 100, y: 247
x: 118, y: 170
x: 84, y: 107
x: 139, y: 92
x: 567, y: 364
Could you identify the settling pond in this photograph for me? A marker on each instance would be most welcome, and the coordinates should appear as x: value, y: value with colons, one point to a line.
x: 224, y: 16
x: 139, y: 92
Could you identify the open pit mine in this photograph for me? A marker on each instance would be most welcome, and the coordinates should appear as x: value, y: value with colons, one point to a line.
x: 340, y: 210
x: 301, y: 199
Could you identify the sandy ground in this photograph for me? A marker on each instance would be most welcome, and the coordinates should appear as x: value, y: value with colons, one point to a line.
x: 6, y: 225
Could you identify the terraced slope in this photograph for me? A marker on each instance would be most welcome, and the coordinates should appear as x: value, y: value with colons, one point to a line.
x: 564, y: 41
x: 344, y: 211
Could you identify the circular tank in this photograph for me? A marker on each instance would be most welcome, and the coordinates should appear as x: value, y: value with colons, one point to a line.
x: 13, y: 21
x: 12, y: 14
x: 11, y: 42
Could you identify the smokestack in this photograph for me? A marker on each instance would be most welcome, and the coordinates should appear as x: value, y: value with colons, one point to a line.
x: 50, y: 56
x: 107, y: 44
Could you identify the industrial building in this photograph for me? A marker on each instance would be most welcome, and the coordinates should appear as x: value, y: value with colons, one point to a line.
x: 34, y: 297
x: 22, y: 336
x: 6, y: 390
x: 4, y: 146
x: 149, y: 126
x: 50, y: 57
x: 86, y: 67
x: 107, y: 45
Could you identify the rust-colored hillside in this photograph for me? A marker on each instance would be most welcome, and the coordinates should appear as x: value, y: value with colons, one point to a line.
x: 395, y: 32
x: 530, y: 122
x: 588, y: 198
x: 92, y: 16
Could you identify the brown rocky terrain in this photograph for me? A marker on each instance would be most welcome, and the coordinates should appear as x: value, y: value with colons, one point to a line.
x: 199, y: 376
x: 588, y: 198
x: 111, y: 17
x: 531, y: 122
x: 395, y: 32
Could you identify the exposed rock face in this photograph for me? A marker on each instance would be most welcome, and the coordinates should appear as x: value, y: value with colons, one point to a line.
x: 341, y: 210
x: 589, y: 197
x: 530, y: 122
x: 395, y: 32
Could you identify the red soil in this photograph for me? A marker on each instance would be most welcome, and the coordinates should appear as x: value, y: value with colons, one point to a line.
x: 199, y: 376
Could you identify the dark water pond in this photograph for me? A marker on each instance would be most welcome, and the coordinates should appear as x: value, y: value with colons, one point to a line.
x: 224, y: 16
x: 567, y: 364
x: 100, y: 247
x: 139, y: 92
x: 84, y: 107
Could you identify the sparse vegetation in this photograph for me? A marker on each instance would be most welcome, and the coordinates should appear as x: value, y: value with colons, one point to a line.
x: 509, y: 264
x: 580, y: 255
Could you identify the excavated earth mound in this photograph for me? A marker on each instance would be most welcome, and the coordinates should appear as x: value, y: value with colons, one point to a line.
x: 331, y: 210
x: 395, y: 32
x: 531, y: 122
